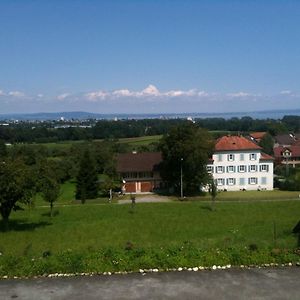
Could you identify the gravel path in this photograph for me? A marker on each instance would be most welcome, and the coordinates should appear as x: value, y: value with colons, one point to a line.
x: 275, y: 284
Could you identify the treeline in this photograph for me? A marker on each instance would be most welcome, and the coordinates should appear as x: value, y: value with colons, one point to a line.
x: 108, y: 129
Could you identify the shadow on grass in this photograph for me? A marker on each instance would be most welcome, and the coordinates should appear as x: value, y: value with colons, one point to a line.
x: 54, y: 213
x: 19, y: 225
x: 206, y: 207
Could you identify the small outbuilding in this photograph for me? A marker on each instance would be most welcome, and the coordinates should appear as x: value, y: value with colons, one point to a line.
x: 139, y: 171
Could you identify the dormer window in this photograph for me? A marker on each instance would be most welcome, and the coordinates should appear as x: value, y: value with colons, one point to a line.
x: 252, y: 156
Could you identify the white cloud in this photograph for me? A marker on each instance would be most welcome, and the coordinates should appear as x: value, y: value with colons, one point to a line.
x: 94, y: 96
x: 40, y: 95
x: 17, y: 94
x: 150, y: 90
x: 63, y: 96
x: 180, y: 93
x: 239, y: 95
x: 286, y: 92
x: 123, y: 93
x: 2, y: 93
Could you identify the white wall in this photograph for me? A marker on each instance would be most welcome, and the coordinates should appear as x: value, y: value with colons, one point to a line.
x: 264, y: 179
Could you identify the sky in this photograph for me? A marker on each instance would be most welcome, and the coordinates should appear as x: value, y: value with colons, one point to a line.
x: 135, y: 56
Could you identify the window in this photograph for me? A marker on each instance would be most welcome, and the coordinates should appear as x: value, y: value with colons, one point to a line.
x: 231, y: 169
x: 231, y: 181
x: 252, y: 156
x: 242, y: 181
x: 252, y: 180
x: 264, y: 168
x: 130, y: 175
x: 220, y: 169
x: 209, y: 169
x: 242, y: 168
x: 230, y: 157
x: 242, y: 156
x: 220, y: 181
x: 145, y: 174
x: 220, y: 157
x: 252, y: 168
x: 264, y: 180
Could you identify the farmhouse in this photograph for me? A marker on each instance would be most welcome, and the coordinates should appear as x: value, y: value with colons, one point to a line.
x: 236, y: 164
x: 240, y: 164
x: 289, y: 155
x: 139, y: 171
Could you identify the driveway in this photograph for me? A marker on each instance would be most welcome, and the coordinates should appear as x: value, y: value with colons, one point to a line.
x: 277, y: 283
x: 147, y: 198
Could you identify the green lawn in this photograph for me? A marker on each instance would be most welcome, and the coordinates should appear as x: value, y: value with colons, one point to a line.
x: 159, y: 234
x: 79, y: 227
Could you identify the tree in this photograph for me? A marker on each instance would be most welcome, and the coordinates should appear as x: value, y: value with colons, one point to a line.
x: 267, y: 143
x: 50, y: 190
x: 213, y: 192
x: 3, y: 150
x: 16, y: 186
x: 87, y: 181
x: 186, y: 147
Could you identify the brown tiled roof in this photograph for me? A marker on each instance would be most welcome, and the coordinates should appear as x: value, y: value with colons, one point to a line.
x: 265, y: 156
x: 258, y: 135
x: 138, y: 162
x: 234, y: 143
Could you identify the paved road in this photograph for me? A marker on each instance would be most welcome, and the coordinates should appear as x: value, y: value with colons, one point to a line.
x: 220, y: 284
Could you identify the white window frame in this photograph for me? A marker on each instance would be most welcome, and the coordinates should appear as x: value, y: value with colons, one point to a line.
x: 220, y: 157
x: 220, y: 181
x: 230, y: 169
x: 230, y: 157
x: 264, y: 168
x: 244, y: 168
x: 251, y: 168
x: 231, y: 181
x: 252, y: 156
x: 220, y: 169
x: 242, y: 157
x: 252, y: 180
x: 209, y: 169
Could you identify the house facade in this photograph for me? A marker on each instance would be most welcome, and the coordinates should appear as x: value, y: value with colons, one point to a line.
x: 240, y: 164
x: 139, y: 171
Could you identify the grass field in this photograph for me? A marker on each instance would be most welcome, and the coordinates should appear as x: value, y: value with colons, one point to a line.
x: 157, y: 230
x: 158, y: 224
x: 135, y: 141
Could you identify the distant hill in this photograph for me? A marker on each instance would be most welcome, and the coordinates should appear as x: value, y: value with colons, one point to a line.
x: 81, y: 115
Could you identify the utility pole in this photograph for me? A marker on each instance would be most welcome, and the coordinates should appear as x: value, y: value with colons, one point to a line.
x: 181, y: 183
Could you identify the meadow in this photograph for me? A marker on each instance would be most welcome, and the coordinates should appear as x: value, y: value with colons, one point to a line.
x: 111, y: 237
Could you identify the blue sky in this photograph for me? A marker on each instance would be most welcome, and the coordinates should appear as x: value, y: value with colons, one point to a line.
x: 149, y: 56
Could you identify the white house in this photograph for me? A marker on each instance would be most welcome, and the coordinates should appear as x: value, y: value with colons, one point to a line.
x: 240, y: 164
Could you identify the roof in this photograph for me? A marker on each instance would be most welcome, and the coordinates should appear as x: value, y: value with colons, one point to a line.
x: 235, y: 143
x: 285, y: 139
x: 138, y: 162
x: 295, y: 151
x: 258, y: 135
x: 265, y: 156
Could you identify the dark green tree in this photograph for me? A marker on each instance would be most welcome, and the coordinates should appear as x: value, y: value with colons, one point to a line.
x: 16, y: 186
x: 188, y: 148
x: 3, y: 150
x: 87, y: 181
x: 213, y: 193
x: 267, y: 143
x: 50, y: 190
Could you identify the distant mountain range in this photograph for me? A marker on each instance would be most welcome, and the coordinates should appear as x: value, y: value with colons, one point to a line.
x: 81, y: 115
